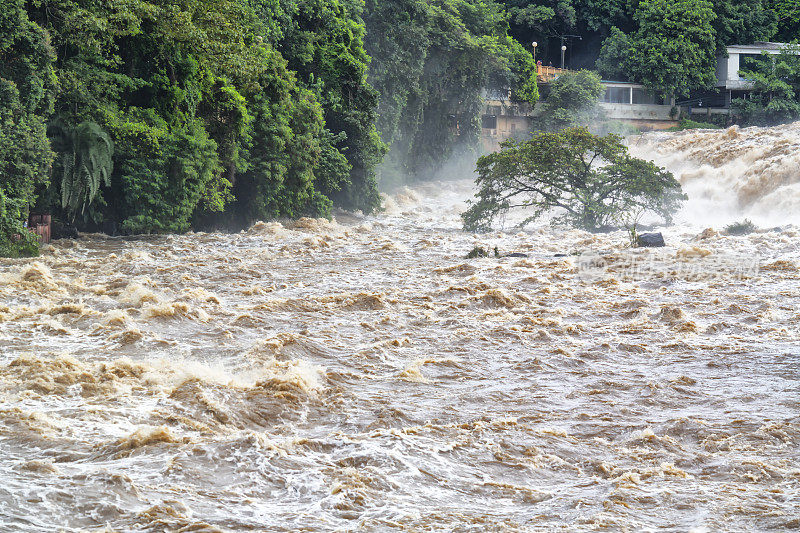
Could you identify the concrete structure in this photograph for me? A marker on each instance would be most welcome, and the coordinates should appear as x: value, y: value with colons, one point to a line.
x: 622, y: 101
x: 730, y: 84
x: 633, y: 104
x: 728, y: 67
x: 501, y: 119
x: 629, y: 102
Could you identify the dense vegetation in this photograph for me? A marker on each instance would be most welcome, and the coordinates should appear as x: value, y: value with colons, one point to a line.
x: 591, y: 180
x: 572, y: 101
x: 776, y: 89
x: 26, y: 97
x: 430, y: 60
x: 672, y: 50
x: 143, y: 116
x: 146, y: 116
x: 670, y: 46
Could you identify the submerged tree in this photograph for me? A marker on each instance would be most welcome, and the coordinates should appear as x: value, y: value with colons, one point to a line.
x: 591, y: 179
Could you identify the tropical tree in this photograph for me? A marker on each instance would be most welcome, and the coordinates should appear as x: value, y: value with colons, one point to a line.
x: 323, y: 43
x: 27, y: 84
x: 591, y: 180
x: 615, y: 60
x: 25, y: 159
x: 788, y: 14
x: 744, y: 22
x: 542, y: 17
x: 85, y: 154
x: 673, y: 50
x: 601, y: 15
x: 548, y: 21
x: 572, y: 101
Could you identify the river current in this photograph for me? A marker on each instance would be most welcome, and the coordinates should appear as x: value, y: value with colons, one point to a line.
x: 361, y: 374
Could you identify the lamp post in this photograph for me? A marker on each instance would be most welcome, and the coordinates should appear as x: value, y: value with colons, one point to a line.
x: 564, y: 47
x: 535, y: 44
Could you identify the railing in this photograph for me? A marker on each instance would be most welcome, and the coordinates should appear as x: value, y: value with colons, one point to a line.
x: 547, y: 74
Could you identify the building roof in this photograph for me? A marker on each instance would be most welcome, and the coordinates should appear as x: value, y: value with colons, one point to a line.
x: 626, y: 83
x: 756, y: 47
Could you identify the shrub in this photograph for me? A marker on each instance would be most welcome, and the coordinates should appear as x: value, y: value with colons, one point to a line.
x: 741, y: 228
x: 572, y: 101
x: 15, y: 239
x: 477, y: 251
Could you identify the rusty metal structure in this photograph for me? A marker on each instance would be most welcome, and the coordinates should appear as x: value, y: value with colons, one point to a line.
x: 547, y: 74
x: 40, y: 225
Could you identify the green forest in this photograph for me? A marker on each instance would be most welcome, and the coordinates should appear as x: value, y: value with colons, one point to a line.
x: 158, y: 116
x: 165, y: 115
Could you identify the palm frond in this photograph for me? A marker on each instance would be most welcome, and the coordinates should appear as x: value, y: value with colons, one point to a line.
x: 87, y: 162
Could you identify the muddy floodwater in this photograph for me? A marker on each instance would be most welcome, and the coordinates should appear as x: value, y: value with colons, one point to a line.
x: 361, y: 374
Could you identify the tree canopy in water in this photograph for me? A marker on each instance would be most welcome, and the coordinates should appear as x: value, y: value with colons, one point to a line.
x: 591, y: 180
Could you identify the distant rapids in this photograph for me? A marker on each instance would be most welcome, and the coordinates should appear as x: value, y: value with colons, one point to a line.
x: 361, y: 374
x: 735, y: 172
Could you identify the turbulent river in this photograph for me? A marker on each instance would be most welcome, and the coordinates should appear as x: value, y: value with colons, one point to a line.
x: 360, y: 374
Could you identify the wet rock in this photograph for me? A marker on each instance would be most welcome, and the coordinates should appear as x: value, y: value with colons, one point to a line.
x: 650, y: 240
x: 707, y: 234
x: 109, y: 227
x: 62, y: 230
x: 516, y: 254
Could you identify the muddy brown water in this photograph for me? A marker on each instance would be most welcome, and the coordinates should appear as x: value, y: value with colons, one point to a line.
x: 361, y: 375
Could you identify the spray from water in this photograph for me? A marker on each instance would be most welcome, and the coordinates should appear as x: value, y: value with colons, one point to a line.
x: 732, y: 174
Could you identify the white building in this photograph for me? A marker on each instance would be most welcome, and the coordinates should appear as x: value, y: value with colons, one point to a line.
x: 728, y: 67
x: 634, y: 104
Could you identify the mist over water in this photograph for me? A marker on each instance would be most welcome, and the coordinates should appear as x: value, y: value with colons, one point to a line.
x: 360, y: 374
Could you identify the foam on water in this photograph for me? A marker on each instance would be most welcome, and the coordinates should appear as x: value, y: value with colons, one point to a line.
x: 733, y: 173
x: 362, y: 374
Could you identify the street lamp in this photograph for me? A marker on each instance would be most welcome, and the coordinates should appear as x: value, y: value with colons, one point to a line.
x: 563, y: 49
x: 535, y: 44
